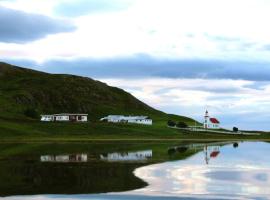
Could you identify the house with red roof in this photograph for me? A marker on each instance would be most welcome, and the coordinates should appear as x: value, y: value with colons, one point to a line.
x: 210, y: 122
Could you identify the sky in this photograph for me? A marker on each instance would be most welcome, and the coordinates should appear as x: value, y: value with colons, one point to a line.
x: 179, y: 56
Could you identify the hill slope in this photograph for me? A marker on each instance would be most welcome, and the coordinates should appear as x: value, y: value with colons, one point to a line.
x: 23, y: 89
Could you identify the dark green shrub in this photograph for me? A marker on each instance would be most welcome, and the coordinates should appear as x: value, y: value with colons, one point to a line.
x: 32, y: 113
x: 235, y: 129
x: 182, y: 125
x: 171, y: 123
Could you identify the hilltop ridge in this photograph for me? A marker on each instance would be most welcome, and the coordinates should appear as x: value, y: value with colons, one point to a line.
x: 23, y: 89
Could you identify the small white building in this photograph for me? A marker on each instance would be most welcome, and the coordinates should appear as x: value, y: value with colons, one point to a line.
x: 64, y: 117
x: 210, y: 123
x: 128, y: 119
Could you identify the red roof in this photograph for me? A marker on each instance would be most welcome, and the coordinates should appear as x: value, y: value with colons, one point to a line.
x: 214, y: 120
x: 214, y: 154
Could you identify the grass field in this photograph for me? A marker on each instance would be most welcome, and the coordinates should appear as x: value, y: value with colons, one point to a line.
x: 29, y: 130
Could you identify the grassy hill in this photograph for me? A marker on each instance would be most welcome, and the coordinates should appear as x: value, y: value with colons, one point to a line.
x: 25, y: 92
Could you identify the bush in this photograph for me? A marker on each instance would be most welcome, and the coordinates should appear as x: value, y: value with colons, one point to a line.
x: 32, y: 113
x: 171, y: 123
x: 182, y: 125
x: 235, y: 129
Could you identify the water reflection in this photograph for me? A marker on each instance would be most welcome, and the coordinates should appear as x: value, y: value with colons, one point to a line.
x: 64, y: 158
x: 127, y: 156
x: 217, y: 171
x: 211, y: 150
x: 100, y: 169
x: 136, y: 156
x: 226, y: 170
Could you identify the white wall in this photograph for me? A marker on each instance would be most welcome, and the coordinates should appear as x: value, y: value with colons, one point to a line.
x: 141, y: 121
x: 211, y: 125
x: 128, y: 119
x: 46, y: 118
x: 62, y: 118
x: 83, y: 119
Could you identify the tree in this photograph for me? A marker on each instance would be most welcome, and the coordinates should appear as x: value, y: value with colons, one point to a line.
x: 171, y: 123
x: 235, y: 129
x: 182, y: 125
x: 32, y: 113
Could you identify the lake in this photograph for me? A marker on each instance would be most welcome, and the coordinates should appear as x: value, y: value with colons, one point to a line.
x: 150, y: 170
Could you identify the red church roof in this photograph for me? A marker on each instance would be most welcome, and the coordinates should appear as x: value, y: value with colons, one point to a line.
x: 214, y: 120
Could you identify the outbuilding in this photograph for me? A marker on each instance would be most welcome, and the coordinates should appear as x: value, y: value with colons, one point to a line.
x: 64, y: 117
x: 128, y: 119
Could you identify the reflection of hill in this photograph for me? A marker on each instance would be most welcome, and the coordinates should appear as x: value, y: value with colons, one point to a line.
x: 65, y: 169
x: 26, y: 177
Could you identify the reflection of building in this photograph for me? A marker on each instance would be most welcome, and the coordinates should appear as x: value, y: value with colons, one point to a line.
x: 64, y: 158
x: 64, y: 117
x: 209, y: 122
x: 128, y: 119
x: 211, y: 152
x: 128, y: 156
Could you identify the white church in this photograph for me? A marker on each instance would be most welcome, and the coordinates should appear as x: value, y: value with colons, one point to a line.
x: 209, y: 122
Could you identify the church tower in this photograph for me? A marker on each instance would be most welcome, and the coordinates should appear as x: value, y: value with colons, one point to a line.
x: 206, y: 119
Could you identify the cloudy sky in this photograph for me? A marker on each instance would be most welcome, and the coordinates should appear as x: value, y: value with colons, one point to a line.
x: 178, y: 56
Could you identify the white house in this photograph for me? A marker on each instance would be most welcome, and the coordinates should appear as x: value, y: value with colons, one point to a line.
x: 64, y: 117
x: 128, y: 119
x: 210, y: 123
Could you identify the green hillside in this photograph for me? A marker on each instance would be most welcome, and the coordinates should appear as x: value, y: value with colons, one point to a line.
x: 25, y: 92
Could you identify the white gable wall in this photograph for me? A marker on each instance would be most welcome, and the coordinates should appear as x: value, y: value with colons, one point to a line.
x: 64, y: 118
x: 210, y: 125
x: 128, y: 119
x: 46, y: 118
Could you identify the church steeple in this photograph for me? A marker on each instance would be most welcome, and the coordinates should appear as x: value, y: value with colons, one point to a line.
x: 206, y: 116
x: 206, y: 119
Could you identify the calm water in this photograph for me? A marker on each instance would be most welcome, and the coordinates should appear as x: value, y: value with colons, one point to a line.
x: 226, y: 170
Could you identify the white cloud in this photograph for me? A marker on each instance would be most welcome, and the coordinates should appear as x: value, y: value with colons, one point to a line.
x: 225, y: 99
x: 160, y: 28
x: 32, y: 6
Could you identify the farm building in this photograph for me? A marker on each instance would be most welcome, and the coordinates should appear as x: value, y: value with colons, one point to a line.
x: 128, y: 119
x: 211, y: 123
x: 64, y: 117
